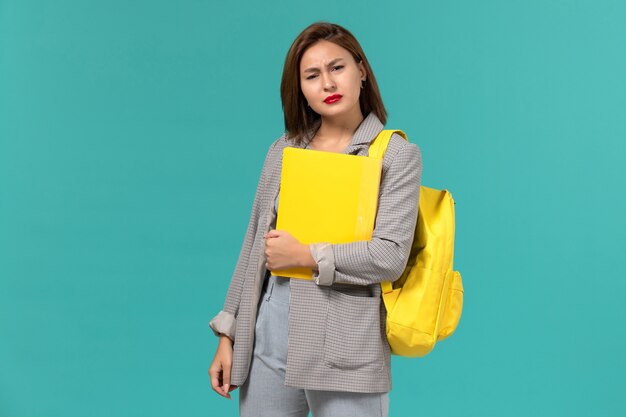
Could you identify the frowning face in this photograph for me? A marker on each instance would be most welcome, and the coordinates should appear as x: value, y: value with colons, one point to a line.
x: 330, y: 79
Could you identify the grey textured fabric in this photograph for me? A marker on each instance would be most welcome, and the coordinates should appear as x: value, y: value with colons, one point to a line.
x: 336, y: 331
x: 264, y: 393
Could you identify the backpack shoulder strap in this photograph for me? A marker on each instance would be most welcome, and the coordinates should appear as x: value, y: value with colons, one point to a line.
x: 377, y: 150
x: 379, y: 145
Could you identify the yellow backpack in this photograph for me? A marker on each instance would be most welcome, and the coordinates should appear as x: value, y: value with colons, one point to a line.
x: 423, y: 305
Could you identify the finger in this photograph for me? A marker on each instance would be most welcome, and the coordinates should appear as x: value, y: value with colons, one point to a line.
x: 216, y: 380
x: 226, y: 379
x: 273, y: 233
x: 214, y: 374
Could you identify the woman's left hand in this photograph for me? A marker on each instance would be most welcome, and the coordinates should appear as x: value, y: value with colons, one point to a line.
x: 283, y: 250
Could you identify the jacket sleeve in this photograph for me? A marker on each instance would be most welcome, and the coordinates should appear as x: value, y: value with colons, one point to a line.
x: 225, y: 322
x: 384, y: 257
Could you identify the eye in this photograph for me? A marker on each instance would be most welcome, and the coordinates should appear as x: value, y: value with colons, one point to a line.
x: 336, y: 67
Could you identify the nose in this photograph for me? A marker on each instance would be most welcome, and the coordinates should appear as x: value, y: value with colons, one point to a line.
x: 328, y: 82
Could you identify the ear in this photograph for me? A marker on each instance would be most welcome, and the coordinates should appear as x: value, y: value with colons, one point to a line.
x: 362, y: 71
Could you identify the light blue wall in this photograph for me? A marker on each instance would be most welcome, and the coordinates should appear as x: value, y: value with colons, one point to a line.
x: 121, y: 216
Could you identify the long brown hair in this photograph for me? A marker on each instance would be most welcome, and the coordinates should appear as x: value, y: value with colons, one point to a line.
x: 301, y: 121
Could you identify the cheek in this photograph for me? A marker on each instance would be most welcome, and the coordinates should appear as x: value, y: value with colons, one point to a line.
x: 351, y: 84
x: 306, y: 90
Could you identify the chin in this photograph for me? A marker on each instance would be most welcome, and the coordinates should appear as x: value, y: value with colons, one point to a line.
x: 334, y: 110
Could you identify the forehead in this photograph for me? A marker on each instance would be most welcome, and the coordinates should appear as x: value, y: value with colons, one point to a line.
x: 322, y: 52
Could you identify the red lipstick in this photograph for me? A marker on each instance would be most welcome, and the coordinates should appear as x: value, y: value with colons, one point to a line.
x: 332, y: 99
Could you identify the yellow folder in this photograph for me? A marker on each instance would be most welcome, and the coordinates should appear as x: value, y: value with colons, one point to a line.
x: 326, y: 197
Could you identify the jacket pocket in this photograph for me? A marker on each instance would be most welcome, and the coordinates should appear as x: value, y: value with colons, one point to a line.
x: 353, y: 333
x: 354, y: 290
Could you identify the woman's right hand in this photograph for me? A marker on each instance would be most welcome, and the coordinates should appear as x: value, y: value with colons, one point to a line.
x: 219, y: 371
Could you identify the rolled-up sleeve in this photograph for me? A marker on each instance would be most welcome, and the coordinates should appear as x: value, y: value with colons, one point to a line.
x: 224, y: 323
x: 323, y: 255
x: 384, y: 257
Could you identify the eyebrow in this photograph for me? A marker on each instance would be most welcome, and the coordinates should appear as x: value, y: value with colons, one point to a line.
x: 314, y: 69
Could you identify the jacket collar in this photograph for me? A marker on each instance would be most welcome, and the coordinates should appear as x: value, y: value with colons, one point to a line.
x: 366, y: 132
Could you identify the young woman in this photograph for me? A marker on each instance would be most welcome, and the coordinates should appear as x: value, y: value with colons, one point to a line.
x: 294, y: 345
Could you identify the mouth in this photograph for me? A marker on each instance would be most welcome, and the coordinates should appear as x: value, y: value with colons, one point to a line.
x: 332, y: 99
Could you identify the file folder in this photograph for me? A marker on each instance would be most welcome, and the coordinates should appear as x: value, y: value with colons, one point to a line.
x: 326, y: 197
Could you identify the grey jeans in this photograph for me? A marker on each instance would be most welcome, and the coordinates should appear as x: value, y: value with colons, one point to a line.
x: 264, y: 394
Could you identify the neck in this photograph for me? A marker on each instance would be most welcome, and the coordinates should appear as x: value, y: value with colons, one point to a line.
x: 339, y: 129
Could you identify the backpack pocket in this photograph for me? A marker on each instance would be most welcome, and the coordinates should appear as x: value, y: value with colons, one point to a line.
x: 353, y: 335
x: 454, y: 307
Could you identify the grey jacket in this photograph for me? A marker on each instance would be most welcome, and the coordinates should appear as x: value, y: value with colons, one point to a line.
x: 336, y: 329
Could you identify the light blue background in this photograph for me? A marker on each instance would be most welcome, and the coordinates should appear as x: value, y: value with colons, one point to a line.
x: 123, y: 205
